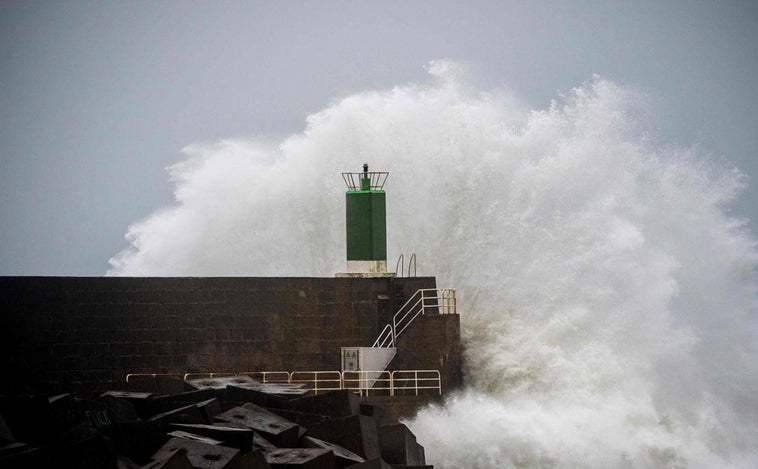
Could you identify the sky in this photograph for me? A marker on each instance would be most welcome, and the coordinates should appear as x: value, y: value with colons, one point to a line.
x: 97, y: 99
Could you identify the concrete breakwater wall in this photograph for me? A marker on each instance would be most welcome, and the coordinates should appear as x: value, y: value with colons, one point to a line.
x: 78, y: 333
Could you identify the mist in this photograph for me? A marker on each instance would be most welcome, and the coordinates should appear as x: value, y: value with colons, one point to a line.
x: 607, y: 294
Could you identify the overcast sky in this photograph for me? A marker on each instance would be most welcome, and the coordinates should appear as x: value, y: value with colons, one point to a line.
x: 98, y: 98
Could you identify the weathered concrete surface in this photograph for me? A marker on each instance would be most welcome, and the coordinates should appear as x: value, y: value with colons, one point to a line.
x: 334, y: 404
x: 108, y: 432
x: 187, y: 414
x: 240, y: 438
x: 191, y: 436
x: 398, y: 446
x: 199, y: 454
x: 277, y: 430
x: 357, y: 433
x: 76, y: 334
x: 172, y: 401
x: 343, y: 456
x: 300, y: 458
x: 173, y: 459
x: 376, y: 463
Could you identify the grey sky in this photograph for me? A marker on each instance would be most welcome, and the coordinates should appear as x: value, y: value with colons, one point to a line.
x: 97, y: 98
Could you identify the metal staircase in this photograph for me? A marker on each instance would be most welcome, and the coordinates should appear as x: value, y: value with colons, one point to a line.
x: 424, y: 301
x: 370, y: 363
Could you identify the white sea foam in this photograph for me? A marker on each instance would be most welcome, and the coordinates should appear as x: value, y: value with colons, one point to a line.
x: 607, y: 297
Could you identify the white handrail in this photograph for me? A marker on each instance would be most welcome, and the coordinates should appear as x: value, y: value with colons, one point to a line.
x: 366, y: 380
x: 363, y: 382
x: 427, y: 377
x: 269, y: 376
x: 152, y: 375
x: 316, y: 379
x: 385, y: 338
x: 440, y: 300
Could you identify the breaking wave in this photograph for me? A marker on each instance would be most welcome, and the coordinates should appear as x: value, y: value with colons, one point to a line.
x: 607, y: 296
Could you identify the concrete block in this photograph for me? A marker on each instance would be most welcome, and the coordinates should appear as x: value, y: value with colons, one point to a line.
x: 220, y: 382
x: 240, y: 438
x: 95, y: 414
x: 172, y: 459
x: 357, y: 433
x: 254, y: 460
x: 139, y: 440
x: 164, y: 403
x: 61, y: 413
x: 6, y: 436
x: 193, y: 437
x: 398, y: 445
x: 403, y: 466
x: 301, y: 418
x: 140, y: 400
x: 278, y: 430
x: 121, y: 410
x: 239, y: 393
x: 186, y: 414
x: 209, y: 409
x: 334, y: 404
x: 300, y: 458
x: 83, y: 447
x: 25, y: 457
x: 263, y: 444
x: 376, y: 463
x: 343, y: 456
x: 200, y: 454
x: 123, y: 462
x: 266, y: 394
x: 11, y: 448
x: 377, y: 412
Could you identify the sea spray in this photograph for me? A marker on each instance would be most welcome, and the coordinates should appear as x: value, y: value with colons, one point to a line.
x: 607, y: 296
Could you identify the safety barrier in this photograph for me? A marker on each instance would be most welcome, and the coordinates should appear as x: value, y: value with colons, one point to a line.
x: 269, y: 376
x: 376, y: 382
x: 151, y: 375
x: 415, y: 380
x: 319, y: 380
x: 424, y: 301
x: 379, y: 381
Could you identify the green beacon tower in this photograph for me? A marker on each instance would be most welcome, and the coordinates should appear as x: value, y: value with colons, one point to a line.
x: 366, y: 223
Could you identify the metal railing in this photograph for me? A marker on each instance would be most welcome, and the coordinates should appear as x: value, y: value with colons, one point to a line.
x: 400, y: 266
x: 151, y: 375
x: 319, y: 380
x: 382, y: 382
x: 385, y: 338
x: 425, y: 300
x: 371, y: 380
x: 376, y: 180
x: 415, y: 380
x: 269, y: 376
x: 188, y: 376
